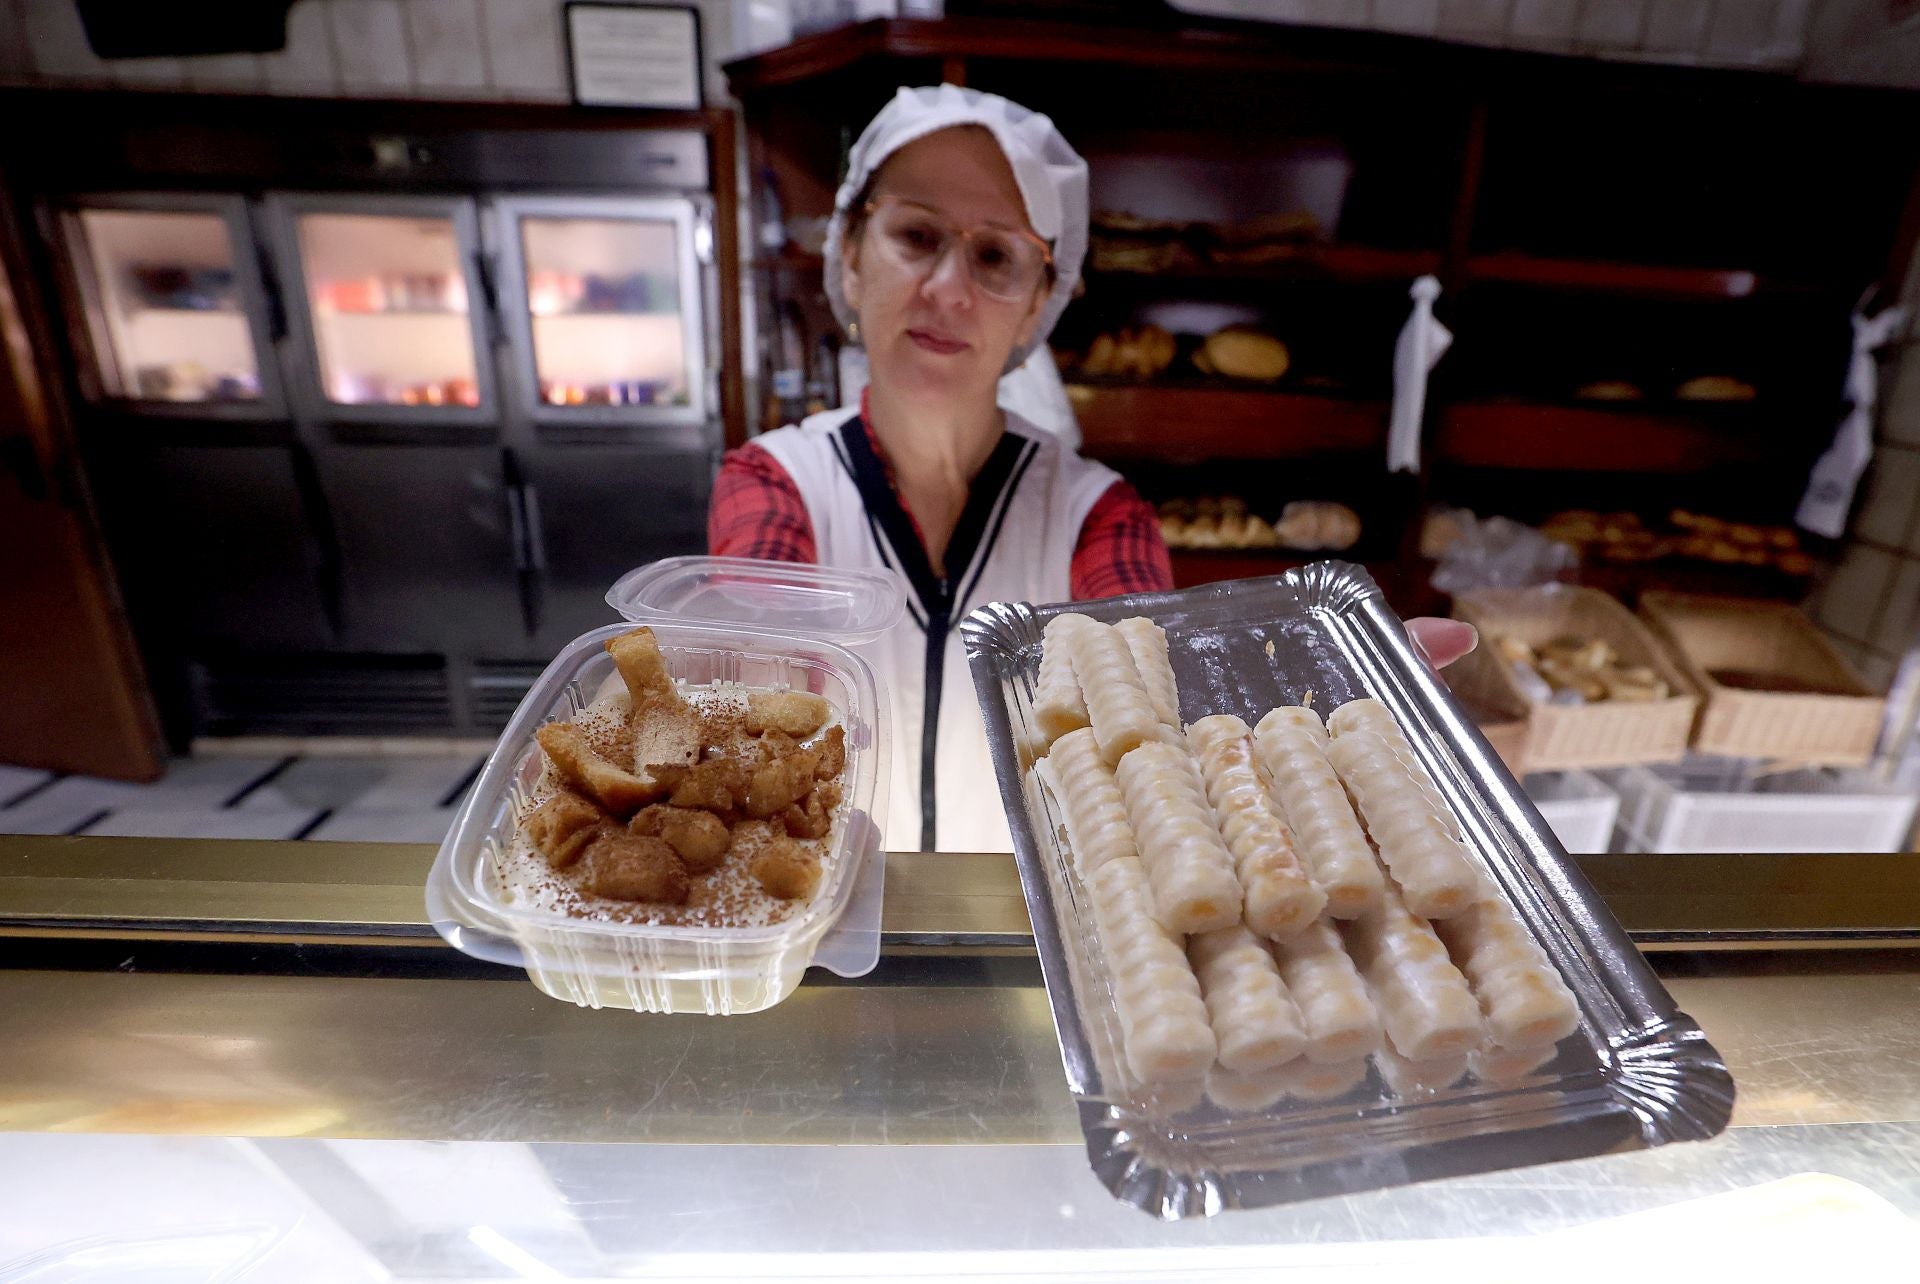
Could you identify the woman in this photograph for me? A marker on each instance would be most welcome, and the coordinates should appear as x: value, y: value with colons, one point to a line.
x: 955, y: 244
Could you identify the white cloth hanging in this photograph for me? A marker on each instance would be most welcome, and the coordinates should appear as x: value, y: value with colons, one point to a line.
x: 1423, y: 341
x: 1830, y: 487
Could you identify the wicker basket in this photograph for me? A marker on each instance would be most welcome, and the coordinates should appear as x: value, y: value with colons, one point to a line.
x: 1608, y: 733
x: 1504, y: 725
x: 1835, y: 726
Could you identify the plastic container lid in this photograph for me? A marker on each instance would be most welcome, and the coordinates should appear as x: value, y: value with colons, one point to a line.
x: 851, y: 607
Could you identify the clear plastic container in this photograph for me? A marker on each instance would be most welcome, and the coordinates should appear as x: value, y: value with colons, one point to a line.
x: 1578, y: 806
x: 758, y: 624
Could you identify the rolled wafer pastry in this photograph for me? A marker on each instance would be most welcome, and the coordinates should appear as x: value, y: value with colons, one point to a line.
x: 1325, y: 831
x: 1297, y: 716
x: 1253, y: 1017
x: 1336, y: 1011
x: 1371, y: 715
x: 1163, y: 1021
x: 1246, y: 1094
x: 1176, y: 1098
x: 1280, y: 897
x: 1409, y: 1078
x: 1413, y: 835
x: 1191, y: 871
x: 1521, y: 994
x: 1425, y: 1003
x: 1097, y: 829
x: 1312, y: 1081
x: 1148, y: 643
x: 1118, y: 707
x: 1058, y: 706
x: 1495, y: 1064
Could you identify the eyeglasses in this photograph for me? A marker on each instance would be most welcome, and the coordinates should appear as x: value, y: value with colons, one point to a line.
x: 1005, y: 262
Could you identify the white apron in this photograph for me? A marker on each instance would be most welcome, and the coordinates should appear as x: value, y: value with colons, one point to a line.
x: 1014, y: 543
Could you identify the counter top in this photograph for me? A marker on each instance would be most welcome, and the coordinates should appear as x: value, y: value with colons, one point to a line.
x: 426, y: 1110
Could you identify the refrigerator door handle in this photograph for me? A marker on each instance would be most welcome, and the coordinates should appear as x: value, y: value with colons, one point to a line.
x: 536, y: 532
x: 703, y: 244
x: 484, y: 271
x: 275, y: 300
x: 529, y: 553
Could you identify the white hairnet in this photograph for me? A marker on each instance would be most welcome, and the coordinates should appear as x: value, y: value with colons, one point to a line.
x: 1051, y: 176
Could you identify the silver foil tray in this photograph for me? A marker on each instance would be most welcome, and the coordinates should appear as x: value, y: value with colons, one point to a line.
x: 1637, y: 1073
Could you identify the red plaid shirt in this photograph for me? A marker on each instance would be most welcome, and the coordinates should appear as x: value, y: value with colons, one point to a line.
x: 757, y: 511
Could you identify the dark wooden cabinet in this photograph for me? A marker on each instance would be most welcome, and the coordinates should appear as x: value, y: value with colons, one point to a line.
x: 1588, y: 221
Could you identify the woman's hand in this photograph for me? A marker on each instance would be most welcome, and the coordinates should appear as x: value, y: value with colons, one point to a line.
x: 1442, y: 641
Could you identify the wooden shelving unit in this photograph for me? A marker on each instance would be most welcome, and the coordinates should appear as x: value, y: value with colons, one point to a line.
x: 1599, y: 277
x: 1600, y: 437
x: 1334, y: 263
x: 1655, y: 209
x: 1179, y: 424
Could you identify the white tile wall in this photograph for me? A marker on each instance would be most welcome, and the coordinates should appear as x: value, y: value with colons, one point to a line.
x: 449, y: 58
x: 1899, y: 624
x: 1407, y: 17
x: 1543, y: 24
x: 225, y: 74
x: 1484, y: 21
x: 1900, y: 396
x: 1741, y: 29
x: 58, y: 44
x: 370, y: 46
x: 16, y: 63
x: 1891, y: 498
x: 306, y: 67
x: 524, y: 48
x: 1788, y: 43
x: 1677, y: 26
x: 1850, y: 602
x: 516, y: 49
x: 149, y: 73
x: 1612, y: 24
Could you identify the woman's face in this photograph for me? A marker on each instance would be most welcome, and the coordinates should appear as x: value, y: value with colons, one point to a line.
x: 937, y: 332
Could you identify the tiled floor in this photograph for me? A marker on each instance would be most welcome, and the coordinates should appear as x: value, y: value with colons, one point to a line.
x: 404, y: 799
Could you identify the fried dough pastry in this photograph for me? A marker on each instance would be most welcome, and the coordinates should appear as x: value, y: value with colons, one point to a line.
x: 796, y: 713
x: 781, y: 783
x: 562, y: 826
x: 699, y: 838
x: 833, y: 754
x: 619, y: 791
x: 813, y: 816
x: 716, y: 785
x: 644, y: 670
x: 787, y: 870
x: 633, y: 867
